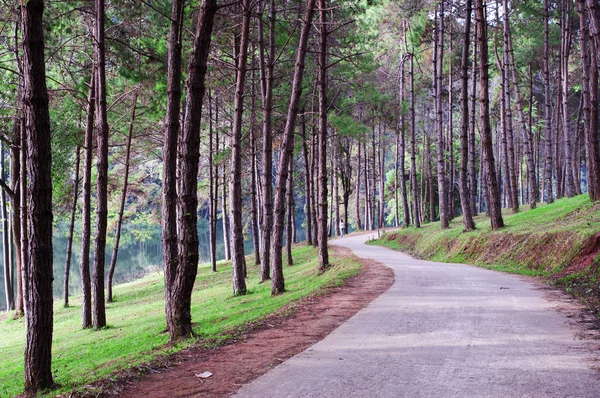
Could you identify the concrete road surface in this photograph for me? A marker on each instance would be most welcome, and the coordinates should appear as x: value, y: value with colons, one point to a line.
x: 442, y: 330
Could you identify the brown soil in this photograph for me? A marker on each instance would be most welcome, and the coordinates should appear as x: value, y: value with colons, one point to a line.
x: 258, y: 349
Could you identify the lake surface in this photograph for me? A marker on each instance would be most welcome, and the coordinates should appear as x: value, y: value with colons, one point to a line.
x: 140, y: 252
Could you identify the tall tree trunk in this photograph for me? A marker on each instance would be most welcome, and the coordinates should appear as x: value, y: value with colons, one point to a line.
x: 548, y: 195
x: 400, y: 158
x: 71, y: 228
x: 287, y: 150
x: 180, y: 287
x: 358, y: 187
x: 113, y: 259
x: 235, y: 192
x: 430, y: 182
x: 267, y: 77
x: 307, y: 182
x: 590, y: 89
x: 512, y: 173
x: 527, y: 137
x: 8, y: 272
x: 472, y: 150
x: 86, y: 222
x: 594, y: 13
x: 413, y: 147
x: 16, y: 177
x: 169, y: 191
x: 566, y: 46
x: 213, y: 185
x: 486, y: 130
x: 38, y: 297
x: 98, y: 308
x: 464, y: 127
x: 289, y: 239
x: 253, y: 188
x: 442, y: 185
x: 322, y: 138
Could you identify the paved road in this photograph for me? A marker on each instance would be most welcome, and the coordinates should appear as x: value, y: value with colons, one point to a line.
x: 442, y: 330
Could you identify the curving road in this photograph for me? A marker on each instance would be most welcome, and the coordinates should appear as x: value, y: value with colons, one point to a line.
x: 442, y: 330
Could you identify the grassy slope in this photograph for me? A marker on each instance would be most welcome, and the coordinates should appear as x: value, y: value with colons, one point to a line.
x: 550, y: 241
x: 136, y: 321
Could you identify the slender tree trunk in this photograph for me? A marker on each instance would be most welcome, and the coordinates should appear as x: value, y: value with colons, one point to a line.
x: 307, y: 182
x: 213, y: 186
x: 86, y: 227
x: 358, y: 187
x: 592, y: 144
x: 413, y: 146
x: 278, y: 284
x: 169, y: 191
x: 253, y: 189
x: 113, y: 260
x: 566, y: 46
x: 71, y: 228
x: 548, y: 195
x: 16, y: 177
x: 322, y: 138
x: 267, y: 77
x: 430, y: 182
x: 472, y: 150
x: 290, y: 214
x: 464, y: 127
x: 8, y: 273
x: 527, y: 137
x: 402, y: 149
x: 38, y: 297
x: 486, y: 130
x: 594, y: 13
x: 442, y: 185
x: 98, y: 308
x: 225, y: 214
x: 235, y: 192
x: 590, y: 115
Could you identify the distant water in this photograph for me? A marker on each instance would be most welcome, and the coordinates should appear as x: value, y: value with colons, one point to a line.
x: 140, y: 252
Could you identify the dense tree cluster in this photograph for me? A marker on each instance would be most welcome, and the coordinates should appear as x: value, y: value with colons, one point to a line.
x: 271, y: 116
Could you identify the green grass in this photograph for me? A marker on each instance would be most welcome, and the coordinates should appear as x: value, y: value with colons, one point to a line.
x: 541, y: 242
x: 136, y: 321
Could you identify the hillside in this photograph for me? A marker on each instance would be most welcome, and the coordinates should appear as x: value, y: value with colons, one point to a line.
x: 559, y: 242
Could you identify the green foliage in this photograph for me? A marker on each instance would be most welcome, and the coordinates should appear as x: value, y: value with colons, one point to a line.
x: 136, y: 321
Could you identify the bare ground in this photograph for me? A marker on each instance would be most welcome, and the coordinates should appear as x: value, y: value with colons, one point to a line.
x: 258, y: 349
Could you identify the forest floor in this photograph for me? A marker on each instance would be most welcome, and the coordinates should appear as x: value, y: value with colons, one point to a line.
x: 259, y: 348
x: 559, y: 242
x: 85, y: 361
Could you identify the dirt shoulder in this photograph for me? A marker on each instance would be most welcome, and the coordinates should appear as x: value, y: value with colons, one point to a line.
x: 259, y: 348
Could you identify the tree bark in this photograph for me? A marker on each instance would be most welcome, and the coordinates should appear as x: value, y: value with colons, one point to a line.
x: 413, y: 147
x: 113, y: 260
x: 464, y: 127
x: 267, y: 77
x: 71, y: 228
x: 235, y: 191
x: 8, y: 272
x: 86, y: 227
x: 472, y: 150
x: 307, y: 182
x: 98, y: 305
x: 401, y: 153
x: 287, y: 150
x: 486, y: 130
x: 566, y: 46
x: 322, y: 138
x: 38, y: 296
x: 213, y: 185
x: 442, y: 185
x: 548, y: 195
x: 289, y: 214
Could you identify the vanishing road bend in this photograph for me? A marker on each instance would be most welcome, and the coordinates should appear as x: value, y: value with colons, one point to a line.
x: 442, y: 330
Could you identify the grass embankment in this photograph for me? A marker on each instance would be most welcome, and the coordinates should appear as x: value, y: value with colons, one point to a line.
x: 136, y: 331
x: 560, y: 241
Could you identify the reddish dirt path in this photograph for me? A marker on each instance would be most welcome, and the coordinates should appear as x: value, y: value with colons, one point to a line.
x: 261, y: 348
